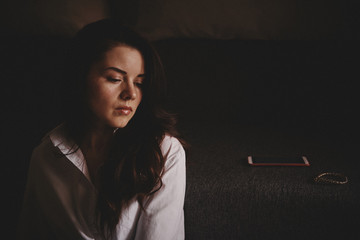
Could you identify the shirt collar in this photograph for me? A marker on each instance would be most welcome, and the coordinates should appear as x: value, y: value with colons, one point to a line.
x: 70, y: 149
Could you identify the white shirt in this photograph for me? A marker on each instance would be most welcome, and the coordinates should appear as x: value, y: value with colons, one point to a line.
x: 60, y: 199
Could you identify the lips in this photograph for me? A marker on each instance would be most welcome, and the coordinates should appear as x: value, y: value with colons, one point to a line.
x: 124, y: 110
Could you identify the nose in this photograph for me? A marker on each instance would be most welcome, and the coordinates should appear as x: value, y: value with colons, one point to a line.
x: 128, y: 92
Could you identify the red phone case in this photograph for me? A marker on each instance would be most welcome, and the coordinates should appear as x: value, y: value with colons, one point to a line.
x: 280, y: 163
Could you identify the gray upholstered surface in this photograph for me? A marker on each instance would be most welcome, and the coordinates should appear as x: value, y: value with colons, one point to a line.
x: 228, y: 199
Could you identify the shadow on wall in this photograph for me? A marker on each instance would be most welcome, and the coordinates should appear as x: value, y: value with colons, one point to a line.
x: 159, y: 19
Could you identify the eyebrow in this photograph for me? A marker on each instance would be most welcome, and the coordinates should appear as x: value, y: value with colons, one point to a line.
x: 122, y: 71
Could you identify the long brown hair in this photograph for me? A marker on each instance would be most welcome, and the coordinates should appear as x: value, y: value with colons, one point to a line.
x: 135, y: 163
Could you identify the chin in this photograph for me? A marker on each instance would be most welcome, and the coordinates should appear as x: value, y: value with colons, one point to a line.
x: 120, y: 124
x: 119, y: 121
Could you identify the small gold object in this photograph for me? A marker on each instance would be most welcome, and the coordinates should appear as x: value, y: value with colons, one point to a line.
x: 329, y: 177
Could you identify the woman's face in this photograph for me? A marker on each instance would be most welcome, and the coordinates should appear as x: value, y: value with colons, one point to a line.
x: 114, y: 86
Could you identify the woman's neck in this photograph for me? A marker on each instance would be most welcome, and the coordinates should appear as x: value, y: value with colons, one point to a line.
x: 98, y: 139
x: 97, y: 135
x: 95, y: 147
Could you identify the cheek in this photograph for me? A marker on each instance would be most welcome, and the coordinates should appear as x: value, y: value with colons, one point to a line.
x: 136, y: 103
x: 101, y: 97
x: 139, y: 99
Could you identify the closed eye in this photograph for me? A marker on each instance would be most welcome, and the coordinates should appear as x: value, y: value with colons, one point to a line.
x: 138, y: 84
x: 114, y: 80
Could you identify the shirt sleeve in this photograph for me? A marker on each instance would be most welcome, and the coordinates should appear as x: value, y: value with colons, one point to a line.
x: 163, y: 217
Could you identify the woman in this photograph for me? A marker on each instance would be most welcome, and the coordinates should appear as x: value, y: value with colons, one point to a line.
x: 115, y: 168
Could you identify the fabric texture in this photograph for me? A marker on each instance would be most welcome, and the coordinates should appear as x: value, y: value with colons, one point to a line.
x: 60, y: 199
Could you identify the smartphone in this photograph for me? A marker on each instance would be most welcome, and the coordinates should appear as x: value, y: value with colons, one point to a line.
x: 278, y: 161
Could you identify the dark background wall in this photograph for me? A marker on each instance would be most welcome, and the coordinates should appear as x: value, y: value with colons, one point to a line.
x: 278, y: 63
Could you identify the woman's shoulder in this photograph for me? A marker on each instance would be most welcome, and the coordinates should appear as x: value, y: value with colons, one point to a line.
x: 42, y: 155
x: 172, y: 151
x: 170, y: 144
x: 48, y: 144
